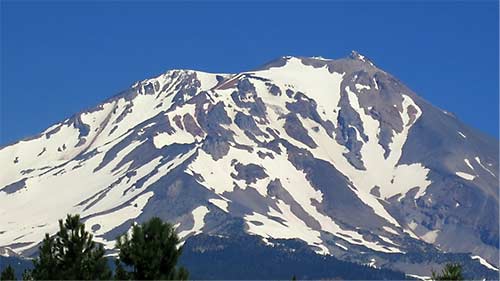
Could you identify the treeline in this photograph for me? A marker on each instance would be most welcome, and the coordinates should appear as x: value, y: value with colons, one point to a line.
x: 149, y: 252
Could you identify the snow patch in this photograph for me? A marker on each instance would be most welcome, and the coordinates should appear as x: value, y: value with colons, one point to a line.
x: 360, y: 87
x: 199, y: 221
x: 292, y: 227
x: 425, y: 278
x: 110, y: 220
x: 468, y: 164
x: 484, y: 262
x: 372, y: 263
x: 341, y: 246
x: 465, y: 176
x: 430, y: 237
x: 384, y: 172
x: 390, y: 230
x: 164, y: 139
x: 387, y: 240
x: 478, y: 160
x: 221, y: 203
x: 375, y: 82
x: 316, y: 83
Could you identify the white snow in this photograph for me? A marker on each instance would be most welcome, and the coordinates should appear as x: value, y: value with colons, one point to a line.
x: 478, y: 160
x: 372, y: 263
x: 167, y: 167
x: 221, y: 203
x: 387, y: 240
x: 33, y: 218
x: 412, y: 225
x: 360, y: 87
x: 465, y: 176
x: 317, y: 83
x: 29, y: 218
x: 341, y: 246
x: 199, y: 217
x: 425, y: 278
x: 293, y: 227
x: 375, y: 82
x: 320, y: 58
x: 199, y: 221
x: 388, y: 229
x: 430, y: 237
x: 5, y: 252
x: 295, y: 183
x: 108, y: 221
x: 27, y: 153
x: 207, y: 80
x: 391, y: 178
x: 210, y: 173
x: 468, y: 164
x: 165, y: 139
x: 484, y: 262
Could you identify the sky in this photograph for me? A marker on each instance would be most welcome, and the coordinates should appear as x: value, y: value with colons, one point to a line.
x: 61, y: 57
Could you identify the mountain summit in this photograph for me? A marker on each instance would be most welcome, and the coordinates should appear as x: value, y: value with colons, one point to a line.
x: 335, y: 154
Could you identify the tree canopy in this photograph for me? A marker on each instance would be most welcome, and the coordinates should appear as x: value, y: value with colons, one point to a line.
x: 451, y: 271
x: 71, y: 254
x: 151, y: 252
x: 8, y: 274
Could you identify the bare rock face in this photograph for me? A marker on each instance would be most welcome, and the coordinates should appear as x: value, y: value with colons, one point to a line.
x: 335, y: 154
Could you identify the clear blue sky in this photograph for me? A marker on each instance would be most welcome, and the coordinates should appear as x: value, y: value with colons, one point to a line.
x: 58, y: 58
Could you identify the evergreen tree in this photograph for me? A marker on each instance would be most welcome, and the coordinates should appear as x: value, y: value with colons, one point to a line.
x: 451, y: 271
x: 27, y: 275
x: 181, y: 274
x: 8, y: 274
x: 120, y: 272
x: 151, y: 252
x: 71, y: 254
x: 44, y: 267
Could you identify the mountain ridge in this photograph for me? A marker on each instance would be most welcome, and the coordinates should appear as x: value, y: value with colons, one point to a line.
x: 336, y: 153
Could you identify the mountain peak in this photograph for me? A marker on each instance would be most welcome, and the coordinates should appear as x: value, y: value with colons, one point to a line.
x: 357, y: 56
x: 336, y: 154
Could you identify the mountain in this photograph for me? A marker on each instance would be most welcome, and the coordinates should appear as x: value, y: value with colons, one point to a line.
x: 337, y: 155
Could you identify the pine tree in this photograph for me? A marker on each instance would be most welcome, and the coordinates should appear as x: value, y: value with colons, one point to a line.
x: 181, y: 274
x: 44, y: 267
x: 120, y: 272
x: 451, y: 271
x: 71, y: 254
x: 8, y: 274
x: 151, y: 252
x: 27, y: 275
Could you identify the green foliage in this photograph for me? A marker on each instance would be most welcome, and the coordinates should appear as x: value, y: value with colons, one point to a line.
x: 27, y: 275
x: 451, y: 271
x: 8, y: 274
x: 151, y: 252
x: 120, y: 272
x: 45, y: 264
x: 71, y: 254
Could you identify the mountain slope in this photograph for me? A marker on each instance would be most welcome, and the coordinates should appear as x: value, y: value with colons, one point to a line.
x: 336, y: 153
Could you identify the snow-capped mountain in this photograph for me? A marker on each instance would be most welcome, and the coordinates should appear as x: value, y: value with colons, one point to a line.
x: 337, y: 154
